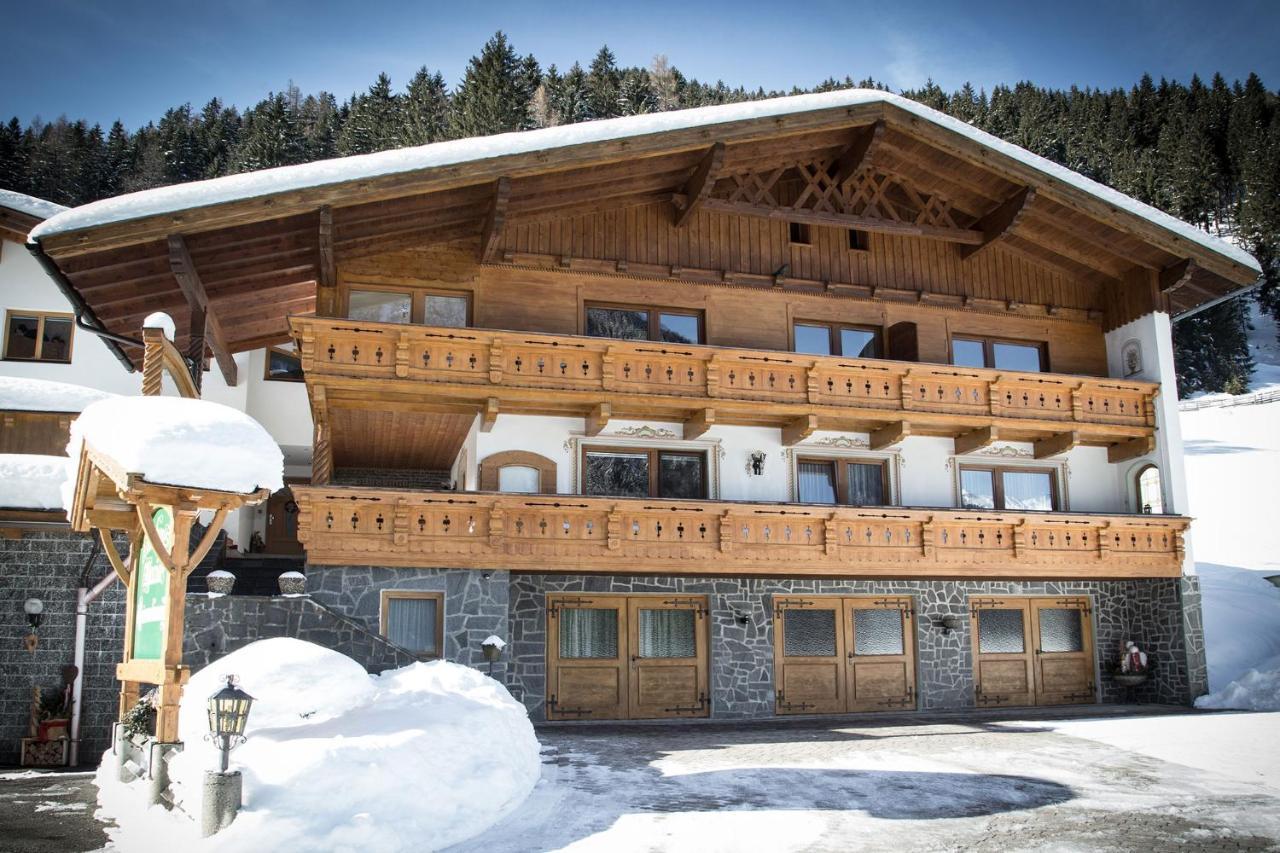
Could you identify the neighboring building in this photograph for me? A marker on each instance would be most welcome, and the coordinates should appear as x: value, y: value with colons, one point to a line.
x: 822, y: 404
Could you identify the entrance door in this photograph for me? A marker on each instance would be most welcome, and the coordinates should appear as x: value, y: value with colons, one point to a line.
x: 616, y: 657
x: 834, y: 655
x: 1032, y: 651
x: 282, y: 524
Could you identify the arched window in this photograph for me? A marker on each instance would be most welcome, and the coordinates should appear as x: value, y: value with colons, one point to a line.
x: 1150, y: 495
x: 519, y: 478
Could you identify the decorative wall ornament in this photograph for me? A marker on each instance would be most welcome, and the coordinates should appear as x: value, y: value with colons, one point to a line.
x: 1005, y: 451
x: 755, y: 463
x: 842, y: 441
x: 646, y: 431
x: 1131, y: 358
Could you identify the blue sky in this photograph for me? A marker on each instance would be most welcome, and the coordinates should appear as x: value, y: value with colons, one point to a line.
x: 107, y: 59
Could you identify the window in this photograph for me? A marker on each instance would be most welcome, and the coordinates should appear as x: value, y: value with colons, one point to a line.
x: 643, y: 323
x: 644, y: 473
x: 519, y: 478
x: 38, y: 336
x: 450, y: 308
x: 798, y: 234
x: 283, y: 365
x: 414, y: 621
x: 836, y: 339
x: 1150, y: 494
x: 1028, y: 356
x: 849, y: 482
x: 1021, y: 489
x: 859, y: 241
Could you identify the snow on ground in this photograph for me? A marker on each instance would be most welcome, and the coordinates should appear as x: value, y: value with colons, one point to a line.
x: 415, y: 759
x: 1242, y: 746
x: 182, y: 442
x: 30, y: 205
x: 42, y: 395
x: 31, y: 481
x: 453, y: 152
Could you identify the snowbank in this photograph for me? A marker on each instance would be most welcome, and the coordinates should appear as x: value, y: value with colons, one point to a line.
x: 1241, y: 622
x: 30, y: 205
x: 182, y: 442
x: 42, y: 395
x: 418, y: 758
x: 440, y: 154
x: 29, y: 481
x: 1256, y: 690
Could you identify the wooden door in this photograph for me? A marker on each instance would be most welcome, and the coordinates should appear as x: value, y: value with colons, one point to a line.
x: 282, y: 524
x: 1063, y: 642
x: 880, y: 650
x: 586, y: 657
x: 1002, y: 651
x: 667, y: 645
x: 809, y: 667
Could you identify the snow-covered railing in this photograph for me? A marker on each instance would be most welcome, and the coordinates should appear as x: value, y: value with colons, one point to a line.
x: 1253, y: 399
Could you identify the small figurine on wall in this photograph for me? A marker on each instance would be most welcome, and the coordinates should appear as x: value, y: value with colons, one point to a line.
x: 1134, y: 659
x: 755, y: 465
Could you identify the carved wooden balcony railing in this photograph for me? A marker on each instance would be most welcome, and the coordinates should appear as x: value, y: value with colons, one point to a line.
x: 522, y: 372
x: 343, y: 525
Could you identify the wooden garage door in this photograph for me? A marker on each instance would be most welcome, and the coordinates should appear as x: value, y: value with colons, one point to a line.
x: 616, y: 657
x: 841, y: 654
x: 1032, y: 651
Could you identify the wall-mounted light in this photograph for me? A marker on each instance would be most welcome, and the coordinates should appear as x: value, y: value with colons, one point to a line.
x: 947, y: 624
x: 755, y: 463
x: 34, y: 608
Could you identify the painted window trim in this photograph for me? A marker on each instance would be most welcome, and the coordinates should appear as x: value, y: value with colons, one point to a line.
x: 386, y: 595
x: 891, y: 460
x: 40, y: 316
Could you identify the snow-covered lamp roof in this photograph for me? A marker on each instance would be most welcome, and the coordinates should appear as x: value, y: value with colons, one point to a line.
x: 19, y: 394
x: 30, y: 205
x: 440, y: 155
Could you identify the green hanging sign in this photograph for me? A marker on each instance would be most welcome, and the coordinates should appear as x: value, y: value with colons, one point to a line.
x: 151, y: 591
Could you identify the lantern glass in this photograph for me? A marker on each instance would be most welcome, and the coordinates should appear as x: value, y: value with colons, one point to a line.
x: 229, y: 711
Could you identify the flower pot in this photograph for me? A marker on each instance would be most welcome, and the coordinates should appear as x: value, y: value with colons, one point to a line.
x: 293, y: 583
x: 52, y: 729
x: 1130, y: 679
x: 220, y: 582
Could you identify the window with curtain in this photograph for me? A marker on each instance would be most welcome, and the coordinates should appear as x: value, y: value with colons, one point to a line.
x: 644, y: 472
x: 588, y: 632
x: 667, y: 634
x: 412, y: 621
x: 519, y: 478
x: 816, y: 481
x: 379, y: 306
x: 831, y: 481
x: 446, y: 309
x: 1022, y: 489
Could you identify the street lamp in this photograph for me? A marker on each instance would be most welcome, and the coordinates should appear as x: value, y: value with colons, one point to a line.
x: 228, y: 713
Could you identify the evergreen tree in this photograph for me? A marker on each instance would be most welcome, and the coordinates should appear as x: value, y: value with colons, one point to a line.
x: 426, y: 109
x: 376, y: 122
x: 495, y: 93
x: 604, y: 84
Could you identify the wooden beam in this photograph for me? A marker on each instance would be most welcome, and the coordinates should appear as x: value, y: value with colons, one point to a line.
x: 1056, y: 444
x: 701, y: 421
x: 1177, y: 275
x: 489, y: 415
x: 976, y: 440
x: 699, y: 185
x: 1131, y: 449
x: 1001, y: 220
x: 598, y: 418
x: 327, y: 273
x: 845, y: 220
x: 799, y: 429
x: 184, y: 271
x: 853, y: 158
x: 197, y: 328
x: 494, y: 219
x: 889, y: 434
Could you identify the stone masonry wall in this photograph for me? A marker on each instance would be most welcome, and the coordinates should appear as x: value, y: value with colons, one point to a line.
x: 475, y: 603
x: 1147, y: 611
x: 47, y: 564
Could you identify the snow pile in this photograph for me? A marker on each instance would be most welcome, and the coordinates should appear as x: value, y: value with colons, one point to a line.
x: 28, y: 481
x: 42, y: 395
x: 1256, y: 690
x: 418, y: 758
x: 30, y: 205
x: 199, y: 194
x: 163, y: 322
x: 182, y: 442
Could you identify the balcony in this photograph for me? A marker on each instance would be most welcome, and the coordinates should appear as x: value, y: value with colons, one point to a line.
x: 569, y: 533
x: 369, y: 365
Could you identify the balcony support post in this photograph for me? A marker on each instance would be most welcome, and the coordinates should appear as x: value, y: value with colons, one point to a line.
x: 489, y: 415
x: 799, y: 429
x: 1056, y: 444
x: 976, y: 440
x: 598, y: 418
x: 1131, y: 449
x: 890, y: 434
x: 698, y: 424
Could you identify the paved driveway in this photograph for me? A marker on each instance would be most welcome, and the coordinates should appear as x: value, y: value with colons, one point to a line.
x: 948, y: 783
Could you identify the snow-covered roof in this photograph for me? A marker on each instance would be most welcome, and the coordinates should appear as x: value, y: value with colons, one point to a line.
x: 455, y: 152
x: 18, y: 394
x: 181, y: 442
x: 31, y: 481
x: 30, y: 205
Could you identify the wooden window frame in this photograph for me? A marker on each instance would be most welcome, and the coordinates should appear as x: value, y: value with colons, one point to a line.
x: 997, y: 483
x: 653, y: 453
x: 266, y: 365
x: 495, y: 462
x: 40, y: 317
x: 655, y: 318
x: 833, y: 335
x: 988, y: 348
x: 1137, y: 488
x: 800, y: 234
x: 417, y: 299
x: 842, y: 478
x: 384, y: 612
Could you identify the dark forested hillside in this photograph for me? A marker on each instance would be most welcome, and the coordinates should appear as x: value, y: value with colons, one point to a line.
x: 1206, y: 152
